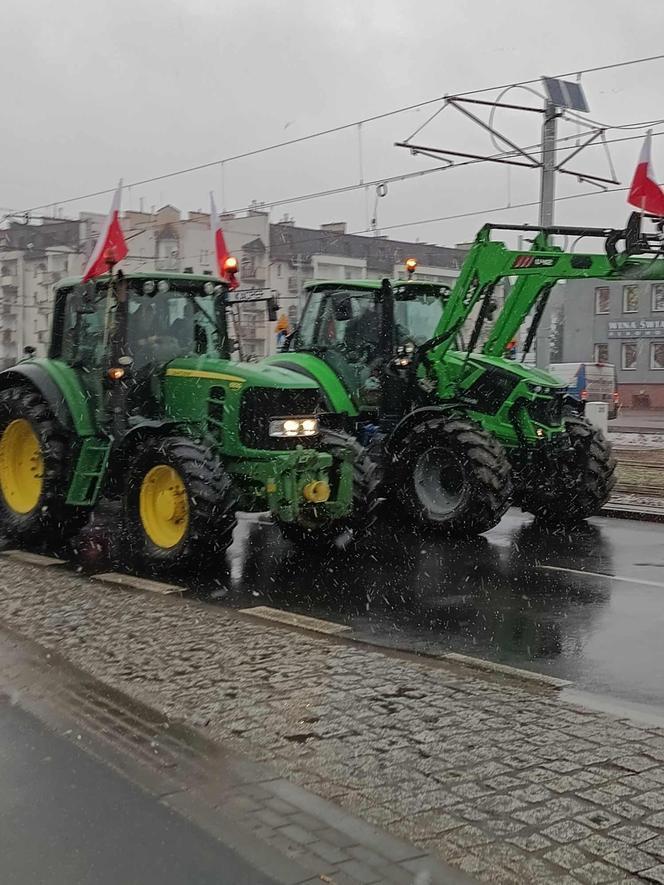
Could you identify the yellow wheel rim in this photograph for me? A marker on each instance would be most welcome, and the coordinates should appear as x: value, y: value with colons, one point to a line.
x: 21, y: 466
x: 163, y: 506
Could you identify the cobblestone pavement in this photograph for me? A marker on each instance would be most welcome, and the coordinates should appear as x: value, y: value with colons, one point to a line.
x: 504, y: 783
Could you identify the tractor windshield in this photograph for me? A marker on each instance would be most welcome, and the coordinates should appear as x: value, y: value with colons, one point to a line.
x: 173, y: 323
x: 418, y: 315
x: 164, y: 320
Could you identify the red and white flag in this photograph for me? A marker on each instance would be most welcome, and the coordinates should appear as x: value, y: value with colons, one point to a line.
x: 111, y: 246
x: 226, y: 264
x: 644, y: 192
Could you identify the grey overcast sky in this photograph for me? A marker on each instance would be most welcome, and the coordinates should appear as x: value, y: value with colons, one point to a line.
x: 95, y: 91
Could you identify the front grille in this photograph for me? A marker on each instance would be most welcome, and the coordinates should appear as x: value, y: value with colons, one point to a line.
x: 260, y: 404
x: 547, y: 411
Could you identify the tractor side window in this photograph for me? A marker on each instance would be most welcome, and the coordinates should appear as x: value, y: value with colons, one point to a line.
x: 309, y: 320
x: 83, y: 331
x: 342, y: 318
x: 360, y: 332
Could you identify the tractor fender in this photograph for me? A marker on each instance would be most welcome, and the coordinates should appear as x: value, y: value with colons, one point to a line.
x: 38, y: 378
x: 125, y: 446
x: 413, y: 418
x: 147, y: 427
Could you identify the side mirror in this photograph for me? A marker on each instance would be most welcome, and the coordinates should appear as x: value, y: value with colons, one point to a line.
x: 29, y: 350
x: 272, y: 308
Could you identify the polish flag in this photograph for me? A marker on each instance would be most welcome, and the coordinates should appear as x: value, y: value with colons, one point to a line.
x: 226, y: 265
x: 644, y: 192
x: 111, y: 246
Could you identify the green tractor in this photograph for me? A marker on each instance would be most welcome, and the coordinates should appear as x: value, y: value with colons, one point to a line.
x: 461, y: 430
x: 139, y: 402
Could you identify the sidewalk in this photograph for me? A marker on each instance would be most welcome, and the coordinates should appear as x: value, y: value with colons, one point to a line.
x: 504, y: 782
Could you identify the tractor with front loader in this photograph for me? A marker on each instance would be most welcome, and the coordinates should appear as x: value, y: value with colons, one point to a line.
x: 460, y: 430
x: 139, y: 401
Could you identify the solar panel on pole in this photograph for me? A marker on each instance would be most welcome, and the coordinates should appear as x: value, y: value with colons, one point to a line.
x: 565, y: 94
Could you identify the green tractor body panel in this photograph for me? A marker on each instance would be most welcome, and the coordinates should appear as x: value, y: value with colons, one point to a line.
x: 206, y: 395
x: 337, y: 395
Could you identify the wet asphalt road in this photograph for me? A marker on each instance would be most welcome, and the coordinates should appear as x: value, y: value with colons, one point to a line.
x: 587, y: 606
x: 68, y: 819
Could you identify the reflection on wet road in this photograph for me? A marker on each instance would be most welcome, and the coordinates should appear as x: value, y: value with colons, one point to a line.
x: 537, y: 600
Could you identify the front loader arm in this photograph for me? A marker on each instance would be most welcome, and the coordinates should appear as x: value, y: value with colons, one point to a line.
x: 524, y: 294
x: 536, y: 271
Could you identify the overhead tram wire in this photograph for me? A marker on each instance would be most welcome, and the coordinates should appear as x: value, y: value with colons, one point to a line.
x: 410, y: 175
x: 438, y: 220
x: 334, y: 129
x: 404, y: 176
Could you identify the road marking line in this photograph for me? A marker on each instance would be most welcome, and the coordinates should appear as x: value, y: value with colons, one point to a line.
x: 294, y: 620
x: 517, y: 672
x: 574, y: 571
x: 131, y: 582
x: 33, y: 558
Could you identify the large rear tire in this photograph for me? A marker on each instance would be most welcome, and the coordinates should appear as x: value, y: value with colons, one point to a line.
x: 179, y: 503
x: 453, y: 476
x: 35, y: 470
x: 315, y: 532
x: 571, y: 487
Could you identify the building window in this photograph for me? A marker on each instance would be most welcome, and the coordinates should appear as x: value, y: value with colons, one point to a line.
x: 630, y: 299
x: 602, y: 299
x: 601, y: 353
x: 657, y: 354
x: 628, y: 355
x: 657, y: 297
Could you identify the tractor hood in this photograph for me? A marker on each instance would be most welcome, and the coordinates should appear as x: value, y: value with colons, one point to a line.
x: 524, y: 373
x: 239, y: 374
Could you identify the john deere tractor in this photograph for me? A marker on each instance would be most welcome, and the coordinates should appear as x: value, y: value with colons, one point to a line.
x: 139, y: 401
x: 461, y: 430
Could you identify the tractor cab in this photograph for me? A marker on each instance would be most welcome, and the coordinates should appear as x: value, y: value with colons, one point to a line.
x: 367, y: 332
x: 131, y: 328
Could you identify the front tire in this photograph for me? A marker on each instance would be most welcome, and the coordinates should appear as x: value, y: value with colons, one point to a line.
x: 453, y: 476
x: 35, y: 470
x: 179, y: 503
x: 573, y: 488
x: 314, y: 532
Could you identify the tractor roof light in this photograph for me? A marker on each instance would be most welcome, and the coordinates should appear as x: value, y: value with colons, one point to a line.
x: 116, y: 373
x: 411, y: 266
x: 230, y: 265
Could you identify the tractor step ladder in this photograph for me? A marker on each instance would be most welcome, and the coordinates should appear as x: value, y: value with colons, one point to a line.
x: 90, y: 471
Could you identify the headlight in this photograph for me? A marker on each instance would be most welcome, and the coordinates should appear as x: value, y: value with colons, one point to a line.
x: 290, y: 427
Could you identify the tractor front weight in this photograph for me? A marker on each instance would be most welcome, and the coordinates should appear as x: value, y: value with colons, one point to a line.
x: 289, y: 482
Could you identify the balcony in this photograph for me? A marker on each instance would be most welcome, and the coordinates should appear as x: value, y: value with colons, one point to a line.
x: 9, y: 281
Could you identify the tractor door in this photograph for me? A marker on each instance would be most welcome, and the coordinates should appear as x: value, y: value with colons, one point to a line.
x: 83, y: 345
x: 343, y: 326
